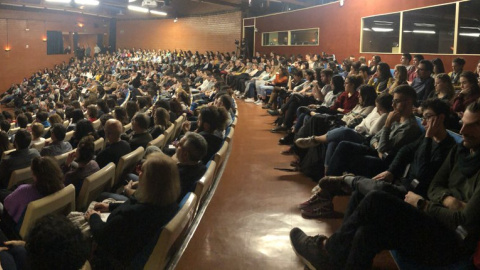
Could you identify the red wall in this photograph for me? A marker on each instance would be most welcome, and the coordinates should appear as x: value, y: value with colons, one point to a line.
x: 340, y: 28
x: 21, y: 61
x: 212, y: 33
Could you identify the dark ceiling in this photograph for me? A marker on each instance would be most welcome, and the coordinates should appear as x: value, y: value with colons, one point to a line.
x: 174, y: 8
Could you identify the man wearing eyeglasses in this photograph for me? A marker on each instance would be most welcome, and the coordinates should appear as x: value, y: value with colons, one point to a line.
x: 424, y: 84
x: 436, y: 231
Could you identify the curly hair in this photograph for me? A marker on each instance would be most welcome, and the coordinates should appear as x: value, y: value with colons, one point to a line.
x: 55, y: 243
x: 49, y: 176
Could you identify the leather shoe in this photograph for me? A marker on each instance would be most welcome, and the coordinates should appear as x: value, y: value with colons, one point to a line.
x: 278, y: 129
x: 273, y: 112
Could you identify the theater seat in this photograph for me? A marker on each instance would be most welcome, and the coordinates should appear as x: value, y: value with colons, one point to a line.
x: 405, y: 264
x: 20, y: 176
x: 63, y: 157
x: 38, y: 145
x: 60, y: 202
x: 178, y: 126
x: 126, y: 165
x: 169, y: 134
x: 158, y: 142
x: 96, y: 124
x: 230, y: 135
x: 68, y: 136
x: 99, y: 144
x: 95, y: 184
x: 167, y: 241
x: 220, y: 156
x: 204, y: 184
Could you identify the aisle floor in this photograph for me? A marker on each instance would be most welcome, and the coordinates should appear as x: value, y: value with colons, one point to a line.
x: 247, y: 223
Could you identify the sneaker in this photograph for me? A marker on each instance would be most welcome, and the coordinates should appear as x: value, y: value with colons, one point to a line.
x: 278, y: 129
x: 315, y: 189
x: 237, y: 92
x: 335, y: 184
x: 315, y: 201
x: 267, y: 106
x: 324, y: 210
x: 259, y: 102
x: 310, y: 249
x: 249, y: 100
x: 307, y: 142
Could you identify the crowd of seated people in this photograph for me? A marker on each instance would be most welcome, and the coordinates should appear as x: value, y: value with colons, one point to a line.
x: 128, y: 99
x: 136, y: 95
x: 386, y: 137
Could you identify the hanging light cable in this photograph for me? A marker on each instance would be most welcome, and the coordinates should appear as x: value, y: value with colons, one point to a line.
x: 7, y: 48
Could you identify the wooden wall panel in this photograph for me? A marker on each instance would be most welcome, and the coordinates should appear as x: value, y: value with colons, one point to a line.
x: 212, y: 33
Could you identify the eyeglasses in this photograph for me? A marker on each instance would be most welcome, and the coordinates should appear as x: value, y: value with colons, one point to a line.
x: 428, y: 116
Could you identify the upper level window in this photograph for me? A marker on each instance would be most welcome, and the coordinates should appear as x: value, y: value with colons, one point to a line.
x: 304, y: 37
x: 469, y: 28
x: 429, y: 30
x: 275, y: 38
x: 381, y: 33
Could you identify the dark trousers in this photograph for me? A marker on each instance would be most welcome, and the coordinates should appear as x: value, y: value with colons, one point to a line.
x: 362, y: 186
x: 383, y: 222
x: 355, y: 158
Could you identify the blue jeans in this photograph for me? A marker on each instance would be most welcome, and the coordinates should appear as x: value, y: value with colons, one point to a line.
x: 337, y: 135
x: 264, y: 89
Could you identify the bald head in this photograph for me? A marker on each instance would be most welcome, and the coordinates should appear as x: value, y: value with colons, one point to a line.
x: 113, y: 130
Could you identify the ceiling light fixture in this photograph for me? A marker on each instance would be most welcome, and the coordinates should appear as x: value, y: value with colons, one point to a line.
x: 428, y: 32
x: 87, y: 2
x: 58, y: 1
x: 381, y: 29
x: 469, y: 34
x: 156, y: 12
x: 137, y: 9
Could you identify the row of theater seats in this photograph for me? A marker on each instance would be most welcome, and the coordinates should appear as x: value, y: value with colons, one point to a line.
x: 157, y: 255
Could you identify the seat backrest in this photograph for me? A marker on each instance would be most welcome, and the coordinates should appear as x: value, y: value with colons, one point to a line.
x: 127, y: 127
x: 46, y: 130
x: 13, y: 131
x: 68, y: 135
x: 178, y: 126
x: 170, y: 234
x: 60, y: 202
x: 63, y: 157
x: 20, y: 176
x: 5, y: 153
x: 158, y: 142
x: 99, y: 144
x: 95, y: 184
x: 204, y: 184
x: 169, y: 133
x: 220, y: 156
x: 126, y: 164
x: 234, y: 123
x: 96, y: 124
x: 66, y: 123
x: 230, y: 135
x: 38, y: 145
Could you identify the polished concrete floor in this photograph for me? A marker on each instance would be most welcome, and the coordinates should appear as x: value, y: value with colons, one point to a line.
x: 247, y: 223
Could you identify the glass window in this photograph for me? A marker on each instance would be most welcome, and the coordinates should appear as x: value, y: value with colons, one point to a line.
x: 468, y: 41
x: 381, y: 33
x: 304, y: 37
x: 429, y: 30
x: 275, y: 38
